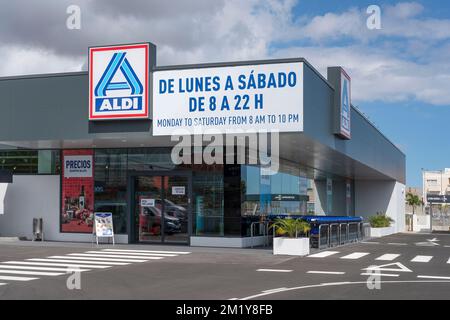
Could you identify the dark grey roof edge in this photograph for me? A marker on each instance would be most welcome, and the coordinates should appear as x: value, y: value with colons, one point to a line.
x: 44, y: 75
x: 211, y: 65
x: 378, y: 130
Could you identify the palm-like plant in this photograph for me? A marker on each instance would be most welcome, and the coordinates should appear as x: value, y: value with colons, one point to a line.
x: 291, y: 227
x: 413, y: 201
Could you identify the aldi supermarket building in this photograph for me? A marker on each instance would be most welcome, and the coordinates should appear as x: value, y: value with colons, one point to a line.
x: 73, y: 144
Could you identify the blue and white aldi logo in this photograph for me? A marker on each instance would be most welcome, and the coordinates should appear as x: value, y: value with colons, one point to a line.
x: 118, y: 82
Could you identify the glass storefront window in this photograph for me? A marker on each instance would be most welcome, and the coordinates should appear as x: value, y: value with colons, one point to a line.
x: 284, y: 192
x: 31, y: 161
x: 144, y: 159
x: 208, y: 204
x: 111, y: 185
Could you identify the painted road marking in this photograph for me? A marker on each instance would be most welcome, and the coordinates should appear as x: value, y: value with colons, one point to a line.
x: 32, y: 273
x: 140, y: 255
x: 433, y: 277
x: 67, y: 263
x: 326, y: 272
x: 106, y: 260
x: 424, y: 259
x: 41, y: 268
x: 380, y: 274
x: 6, y: 278
x: 347, y: 283
x: 323, y: 254
x: 148, y: 251
x: 355, y: 255
x: 448, y: 261
x: 400, y: 268
x: 2, y: 284
x: 275, y: 290
x: 388, y: 257
x: 122, y: 258
x: 273, y: 270
x: 397, y: 244
x: 369, y: 242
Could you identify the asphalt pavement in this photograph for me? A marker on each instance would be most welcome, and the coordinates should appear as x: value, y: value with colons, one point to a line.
x: 403, y: 266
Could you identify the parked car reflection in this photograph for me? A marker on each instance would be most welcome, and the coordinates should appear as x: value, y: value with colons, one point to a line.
x: 150, y: 222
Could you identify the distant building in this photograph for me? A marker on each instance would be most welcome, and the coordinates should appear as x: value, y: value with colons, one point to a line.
x: 436, y: 198
x: 436, y: 187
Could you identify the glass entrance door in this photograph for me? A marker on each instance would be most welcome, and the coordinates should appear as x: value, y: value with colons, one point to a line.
x: 162, y: 208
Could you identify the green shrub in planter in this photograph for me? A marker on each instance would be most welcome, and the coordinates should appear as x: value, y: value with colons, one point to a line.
x: 291, y: 228
x: 380, y: 221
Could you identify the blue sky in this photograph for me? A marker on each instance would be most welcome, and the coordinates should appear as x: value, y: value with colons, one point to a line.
x: 401, y: 73
x: 417, y: 124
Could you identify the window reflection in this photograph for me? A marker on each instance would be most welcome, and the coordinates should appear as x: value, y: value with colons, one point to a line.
x: 111, y: 185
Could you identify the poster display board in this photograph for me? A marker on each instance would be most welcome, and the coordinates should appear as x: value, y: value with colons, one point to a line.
x: 104, y: 225
x: 77, y: 203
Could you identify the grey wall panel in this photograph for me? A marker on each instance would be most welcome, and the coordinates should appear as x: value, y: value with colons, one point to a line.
x: 367, y: 145
x: 55, y: 108
x: 31, y: 197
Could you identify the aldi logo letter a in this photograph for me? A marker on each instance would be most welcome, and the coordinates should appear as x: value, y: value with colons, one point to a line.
x: 118, y: 82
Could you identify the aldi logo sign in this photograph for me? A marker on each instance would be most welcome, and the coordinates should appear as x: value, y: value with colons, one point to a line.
x: 118, y: 82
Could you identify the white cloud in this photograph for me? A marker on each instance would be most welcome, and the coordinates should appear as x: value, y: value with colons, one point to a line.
x: 413, y: 66
x: 17, y: 60
x: 380, y: 76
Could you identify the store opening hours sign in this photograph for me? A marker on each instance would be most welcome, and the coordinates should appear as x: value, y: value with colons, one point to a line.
x: 237, y: 99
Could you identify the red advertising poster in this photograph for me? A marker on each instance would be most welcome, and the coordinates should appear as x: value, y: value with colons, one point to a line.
x: 77, y: 191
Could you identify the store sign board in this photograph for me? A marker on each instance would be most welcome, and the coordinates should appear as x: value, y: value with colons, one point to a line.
x: 104, y: 224
x: 342, y: 84
x: 432, y: 198
x: 234, y: 99
x: 78, y: 166
x: 119, y: 82
x: 178, y: 191
x: 345, y: 99
x: 147, y: 202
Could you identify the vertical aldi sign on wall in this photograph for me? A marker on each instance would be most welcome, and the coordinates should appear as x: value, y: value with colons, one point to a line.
x: 345, y: 102
x: 342, y: 101
x: 118, y: 82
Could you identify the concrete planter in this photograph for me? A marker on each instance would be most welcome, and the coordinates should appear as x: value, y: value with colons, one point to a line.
x: 382, y: 232
x: 291, y: 247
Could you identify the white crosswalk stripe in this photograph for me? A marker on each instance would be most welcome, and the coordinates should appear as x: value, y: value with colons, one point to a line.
x: 51, y: 262
x: 74, y: 261
x: 355, y: 255
x: 32, y: 273
x: 323, y: 254
x: 38, y: 268
x: 423, y: 259
x: 112, y: 261
x: 60, y: 265
x: 148, y: 251
x: 6, y: 278
x: 136, y: 254
x: 132, y: 258
x: 388, y: 257
x: 359, y: 255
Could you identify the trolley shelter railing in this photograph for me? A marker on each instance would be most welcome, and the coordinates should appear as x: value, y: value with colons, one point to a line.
x: 327, y: 231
